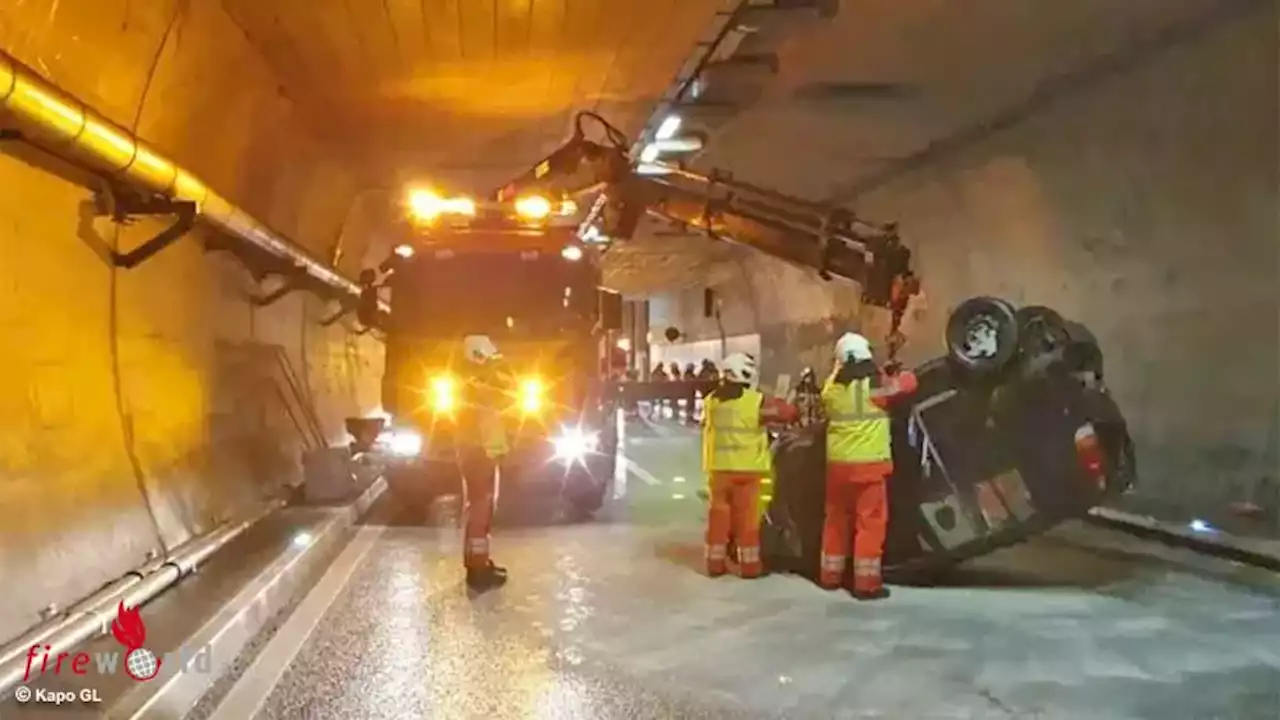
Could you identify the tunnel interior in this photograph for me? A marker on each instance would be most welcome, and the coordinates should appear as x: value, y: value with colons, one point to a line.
x: 1113, y: 161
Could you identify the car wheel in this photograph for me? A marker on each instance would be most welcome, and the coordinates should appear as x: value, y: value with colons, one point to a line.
x: 1083, y: 354
x: 982, y: 335
x: 1041, y: 330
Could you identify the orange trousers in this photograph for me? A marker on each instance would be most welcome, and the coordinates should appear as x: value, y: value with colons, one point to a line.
x: 857, y: 509
x: 735, y: 510
x: 479, y: 486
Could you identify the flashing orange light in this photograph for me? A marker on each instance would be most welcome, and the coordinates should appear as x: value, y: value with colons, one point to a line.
x: 533, y: 207
x: 443, y: 395
x: 532, y: 391
x: 426, y: 206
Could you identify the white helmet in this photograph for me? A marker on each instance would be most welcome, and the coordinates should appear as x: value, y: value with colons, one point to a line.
x: 479, y: 349
x: 740, y: 368
x: 852, y: 347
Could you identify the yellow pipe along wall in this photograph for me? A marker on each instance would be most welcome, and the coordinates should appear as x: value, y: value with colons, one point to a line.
x: 62, y: 121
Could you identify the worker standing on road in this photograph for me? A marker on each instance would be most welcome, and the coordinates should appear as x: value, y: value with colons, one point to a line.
x: 478, y: 462
x: 859, y: 461
x: 736, y: 458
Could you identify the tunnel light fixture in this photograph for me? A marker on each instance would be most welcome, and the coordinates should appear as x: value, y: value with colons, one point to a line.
x: 572, y: 253
x: 404, y: 251
x: 652, y: 169
x: 668, y: 129
x: 650, y: 153
x: 690, y: 143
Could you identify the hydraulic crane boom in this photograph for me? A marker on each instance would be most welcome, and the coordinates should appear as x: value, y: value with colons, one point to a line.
x: 830, y: 240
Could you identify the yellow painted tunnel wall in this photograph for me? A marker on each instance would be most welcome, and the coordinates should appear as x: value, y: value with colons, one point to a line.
x: 139, y: 408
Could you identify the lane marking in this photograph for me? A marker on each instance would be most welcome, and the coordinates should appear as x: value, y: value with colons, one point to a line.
x: 648, y: 477
x: 250, y: 693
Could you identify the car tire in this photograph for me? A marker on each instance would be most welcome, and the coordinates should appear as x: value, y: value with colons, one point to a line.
x: 982, y: 335
x: 1083, y: 354
x: 1041, y: 329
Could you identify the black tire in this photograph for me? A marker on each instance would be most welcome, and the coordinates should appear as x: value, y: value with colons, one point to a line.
x: 982, y: 335
x: 1083, y: 354
x: 1041, y: 330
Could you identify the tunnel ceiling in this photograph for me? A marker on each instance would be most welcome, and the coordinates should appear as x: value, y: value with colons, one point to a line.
x: 470, y: 92
x: 887, y: 87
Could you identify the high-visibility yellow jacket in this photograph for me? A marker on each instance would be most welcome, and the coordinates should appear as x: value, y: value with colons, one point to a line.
x: 858, y: 428
x: 482, y: 419
x: 733, y: 437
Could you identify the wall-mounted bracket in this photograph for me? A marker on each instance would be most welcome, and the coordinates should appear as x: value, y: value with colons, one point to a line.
x: 272, y: 297
x: 291, y: 280
x: 125, y: 206
x: 343, y: 311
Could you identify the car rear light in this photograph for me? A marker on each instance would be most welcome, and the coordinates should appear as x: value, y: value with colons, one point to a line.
x: 1089, y: 452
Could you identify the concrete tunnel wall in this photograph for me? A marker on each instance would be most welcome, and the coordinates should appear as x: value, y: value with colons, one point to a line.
x: 1144, y: 205
x: 139, y: 407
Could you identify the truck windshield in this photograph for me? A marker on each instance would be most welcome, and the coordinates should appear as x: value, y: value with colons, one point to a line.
x: 510, y: 294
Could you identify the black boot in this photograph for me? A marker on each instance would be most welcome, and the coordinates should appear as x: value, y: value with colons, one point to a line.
x: 879, y: 593
x: 486, y: 578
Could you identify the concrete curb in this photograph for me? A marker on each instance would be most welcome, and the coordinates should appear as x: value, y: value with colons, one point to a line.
x: 233, y: 628
x: 1259, y: 553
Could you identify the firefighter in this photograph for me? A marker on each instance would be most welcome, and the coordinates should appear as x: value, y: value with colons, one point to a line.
x: 859, y: 461
x: 736, y: 459
x: 478, y: 462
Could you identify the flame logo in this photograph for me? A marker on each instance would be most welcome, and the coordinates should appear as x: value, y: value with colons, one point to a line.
x: 128, y: 628
x: 139, y: 663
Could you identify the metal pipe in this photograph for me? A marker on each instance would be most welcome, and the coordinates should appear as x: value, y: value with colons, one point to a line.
x: 92, y: 616
x: 64, y: 122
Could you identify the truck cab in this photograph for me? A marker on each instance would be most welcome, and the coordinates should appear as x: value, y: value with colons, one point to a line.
x: 514, y: 275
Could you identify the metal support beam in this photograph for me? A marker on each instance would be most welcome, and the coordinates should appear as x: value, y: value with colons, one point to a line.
x: 342, y: 312
x: 274, y: 296
x: 125, y: 207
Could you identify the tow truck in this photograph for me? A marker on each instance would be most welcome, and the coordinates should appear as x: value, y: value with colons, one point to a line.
x: 1010, y: 433
x: 515, y: 272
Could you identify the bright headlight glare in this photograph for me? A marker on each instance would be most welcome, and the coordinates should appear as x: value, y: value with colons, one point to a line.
x: 531, y: 395
x: 575, y: 444
x: 404, y: 443
x: 533, y: 207
x: 442, y: 393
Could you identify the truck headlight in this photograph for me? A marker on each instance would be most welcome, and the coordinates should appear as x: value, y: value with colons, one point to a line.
x: 532, y: 392
x: 443, y: 394
x: 573, y: 444
x: 403, y: 443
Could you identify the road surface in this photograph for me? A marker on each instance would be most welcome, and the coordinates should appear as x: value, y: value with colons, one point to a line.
x: 612, y: 619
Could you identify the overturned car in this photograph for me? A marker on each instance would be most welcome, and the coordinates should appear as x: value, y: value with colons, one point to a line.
x: 1009, y: 434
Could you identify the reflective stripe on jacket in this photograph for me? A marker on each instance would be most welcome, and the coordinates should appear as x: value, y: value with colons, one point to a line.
x: 733, y: 438
x: 857, y: 431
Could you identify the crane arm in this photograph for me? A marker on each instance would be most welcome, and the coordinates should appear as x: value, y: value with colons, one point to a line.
x: 831, y: 240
